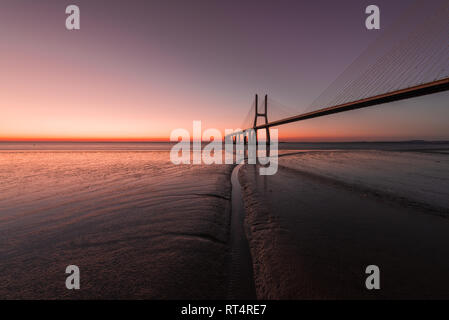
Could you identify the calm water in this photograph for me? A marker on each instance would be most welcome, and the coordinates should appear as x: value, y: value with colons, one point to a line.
x: 140, y: 227
x: 410, y: 145
x: 57, y: 146
x: 316, y: 224
x: 136, y: 225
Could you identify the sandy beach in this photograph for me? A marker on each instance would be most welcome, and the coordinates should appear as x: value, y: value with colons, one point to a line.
x: 140, y: 227
x: 135, y: 224
x: 325, y: 216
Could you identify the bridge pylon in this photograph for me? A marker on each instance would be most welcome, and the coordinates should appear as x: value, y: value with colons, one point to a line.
x: 264, y: 115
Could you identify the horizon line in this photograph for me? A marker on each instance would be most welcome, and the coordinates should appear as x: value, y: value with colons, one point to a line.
x: 168, y: 141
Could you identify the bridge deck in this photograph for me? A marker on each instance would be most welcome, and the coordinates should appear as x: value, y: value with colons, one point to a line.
x: 416, y: 91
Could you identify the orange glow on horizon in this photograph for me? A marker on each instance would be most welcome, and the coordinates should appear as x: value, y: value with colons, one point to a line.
x: 122, y: 85
x: 79, y: 139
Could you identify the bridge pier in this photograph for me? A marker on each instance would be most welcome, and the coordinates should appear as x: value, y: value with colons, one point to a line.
x: 249, y: 137
x: 264, y: 115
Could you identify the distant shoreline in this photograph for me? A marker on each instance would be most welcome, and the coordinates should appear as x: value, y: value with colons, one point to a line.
x: 411, y: 145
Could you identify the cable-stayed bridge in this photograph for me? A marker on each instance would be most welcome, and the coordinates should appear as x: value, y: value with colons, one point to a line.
x: 410, y: 59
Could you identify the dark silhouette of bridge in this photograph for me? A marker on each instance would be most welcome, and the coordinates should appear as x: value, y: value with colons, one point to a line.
x: 409, y: 60
x: 412, y: 92
x: 424, y: 89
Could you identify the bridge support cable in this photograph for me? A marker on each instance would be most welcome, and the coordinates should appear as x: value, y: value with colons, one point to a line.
x: 413, y: 51
x: 409, y: 59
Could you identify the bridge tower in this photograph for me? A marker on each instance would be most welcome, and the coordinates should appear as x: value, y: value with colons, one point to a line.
x: 264, y: 115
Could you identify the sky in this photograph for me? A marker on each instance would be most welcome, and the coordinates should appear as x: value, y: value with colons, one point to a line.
x: 138, y: 69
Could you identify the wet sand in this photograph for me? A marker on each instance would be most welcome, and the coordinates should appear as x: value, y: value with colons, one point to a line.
x: 140, y: 227
x: 137, y: 226
x: 241, y: 276
x: 312, y: 234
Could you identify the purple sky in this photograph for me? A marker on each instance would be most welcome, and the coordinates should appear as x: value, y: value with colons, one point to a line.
x: 142, y: 68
